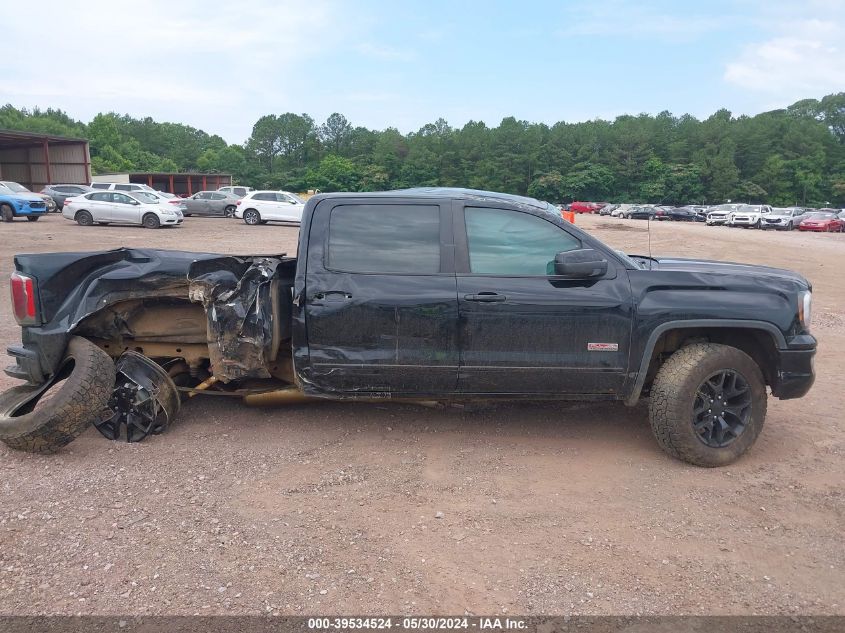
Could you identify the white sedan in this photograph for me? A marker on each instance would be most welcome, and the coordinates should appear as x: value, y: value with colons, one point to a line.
x: 260, y: 207
x: 121, y: 207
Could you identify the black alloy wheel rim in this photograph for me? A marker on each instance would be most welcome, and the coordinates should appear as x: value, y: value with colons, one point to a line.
x: 722, y: 408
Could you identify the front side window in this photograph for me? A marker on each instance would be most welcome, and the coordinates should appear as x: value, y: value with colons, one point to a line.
x: 121, y: 198
x: 385, y: 238
x: 503, y: 242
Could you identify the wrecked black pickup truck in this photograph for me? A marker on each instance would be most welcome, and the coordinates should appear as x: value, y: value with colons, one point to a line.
x: 418, y: 295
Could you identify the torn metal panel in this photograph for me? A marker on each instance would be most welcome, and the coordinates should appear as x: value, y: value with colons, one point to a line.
x: 241, y: 300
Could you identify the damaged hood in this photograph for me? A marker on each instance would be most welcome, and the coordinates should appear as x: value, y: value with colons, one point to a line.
x: 726, y: 268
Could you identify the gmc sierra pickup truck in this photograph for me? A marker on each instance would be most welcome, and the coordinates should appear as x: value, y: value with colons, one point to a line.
x: 418, y: 295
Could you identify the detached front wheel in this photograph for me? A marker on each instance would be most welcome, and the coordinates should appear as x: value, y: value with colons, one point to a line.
x: 44, y: 418
x: 708, y: 404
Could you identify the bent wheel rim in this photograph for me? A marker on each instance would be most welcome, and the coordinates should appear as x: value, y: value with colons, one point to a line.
x: 722, y: 408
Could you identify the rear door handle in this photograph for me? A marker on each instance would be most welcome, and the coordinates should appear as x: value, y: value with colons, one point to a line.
x: 486, y: 297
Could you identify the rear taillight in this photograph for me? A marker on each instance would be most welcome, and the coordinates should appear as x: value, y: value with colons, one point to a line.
x: 23, y: 299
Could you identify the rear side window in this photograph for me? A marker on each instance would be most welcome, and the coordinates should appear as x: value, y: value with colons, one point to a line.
x: 503, y: 242
x: 385, y: 239
x: 100, y: 185
x: 264, y: 196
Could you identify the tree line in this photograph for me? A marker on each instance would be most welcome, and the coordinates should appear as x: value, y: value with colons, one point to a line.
x: 790, y: 156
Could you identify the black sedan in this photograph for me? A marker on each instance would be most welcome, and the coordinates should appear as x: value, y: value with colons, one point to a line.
x: 640, y: 213
x: 685, y: 214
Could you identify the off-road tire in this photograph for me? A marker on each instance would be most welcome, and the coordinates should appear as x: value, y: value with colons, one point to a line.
x: 84, y: 218
x: 7, y: 212
x: 673, y: 395
x: 78, y: 402
x: 33, y: 218
x: 151, y: 221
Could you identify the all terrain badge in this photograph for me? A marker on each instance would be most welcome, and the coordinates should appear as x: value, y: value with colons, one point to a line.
x: 602, y: 347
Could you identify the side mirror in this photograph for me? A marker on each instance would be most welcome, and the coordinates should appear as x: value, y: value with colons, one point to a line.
x: 135, y: 203
x: 585, y: 263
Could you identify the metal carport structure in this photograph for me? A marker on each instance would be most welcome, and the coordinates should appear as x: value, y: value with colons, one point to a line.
x: 36, y: 160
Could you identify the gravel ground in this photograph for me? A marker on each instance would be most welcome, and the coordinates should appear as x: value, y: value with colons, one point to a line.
x: 363, y: 508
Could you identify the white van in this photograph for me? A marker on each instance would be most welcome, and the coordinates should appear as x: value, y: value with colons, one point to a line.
x: 260, y: 207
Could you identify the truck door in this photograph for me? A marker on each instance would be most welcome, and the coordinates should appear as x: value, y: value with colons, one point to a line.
x: 381, y: 308
x: 522, y: 328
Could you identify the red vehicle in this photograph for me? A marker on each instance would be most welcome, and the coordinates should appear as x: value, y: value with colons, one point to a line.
x: 585, y: 207
x: 826, y: 222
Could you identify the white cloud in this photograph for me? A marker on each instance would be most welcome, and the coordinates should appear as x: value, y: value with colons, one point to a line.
x: 214, y: 66
x: 606, y: 18
x: 806, y: 59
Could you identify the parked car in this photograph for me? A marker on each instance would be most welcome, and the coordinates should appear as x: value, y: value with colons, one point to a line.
x: 783, y: 218
x: 60, y: 193
x: 216, y: 203
x: 261, y: 207
x: 16, y: 187
x: 122, y: 186
x: 828, y: 222
x: 121, y: 207
x: 661, y: 213
x: 640, y: 213
x: 585, y: 207
x: 21, y: 205
x: 237, y: 190
x: 377, y: 305
x: 620, y: 210
x: 686, y: 214
x: 721, y: 215
x: 167, y: 199
x: 750, y: 215
x: 608, y: 209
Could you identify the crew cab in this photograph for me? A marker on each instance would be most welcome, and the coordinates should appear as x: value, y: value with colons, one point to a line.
x: 416, y: 295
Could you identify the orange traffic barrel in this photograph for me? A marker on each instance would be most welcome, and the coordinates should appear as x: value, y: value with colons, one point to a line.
x: 569, y: 216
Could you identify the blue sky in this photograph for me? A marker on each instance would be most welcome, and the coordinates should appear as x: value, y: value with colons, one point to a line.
x: 404, y: 64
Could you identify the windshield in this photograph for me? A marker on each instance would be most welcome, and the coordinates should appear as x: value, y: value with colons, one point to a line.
x: 783, y: 211
x: 725, y: 207
x: 750, y: 208
x: 821, y: 216
x: 17, y: 188
x: 144, y: 196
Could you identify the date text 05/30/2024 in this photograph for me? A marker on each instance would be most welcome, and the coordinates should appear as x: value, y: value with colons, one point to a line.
x: 416, y: 623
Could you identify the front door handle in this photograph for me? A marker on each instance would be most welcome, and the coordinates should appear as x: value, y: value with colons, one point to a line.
x: 331, y: 295
x: 486, y: 297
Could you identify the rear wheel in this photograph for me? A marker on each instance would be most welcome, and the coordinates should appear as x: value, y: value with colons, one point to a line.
x: 151, y: 221
x: 708, y: 404
x: 33, y: 218
x: 7, y: 212
x: 230, y: 211
x: 83, y: 218
x: 44, y: 418
x: 252, y: 217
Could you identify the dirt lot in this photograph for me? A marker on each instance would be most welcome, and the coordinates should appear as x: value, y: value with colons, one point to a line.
x: 333, y: 507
